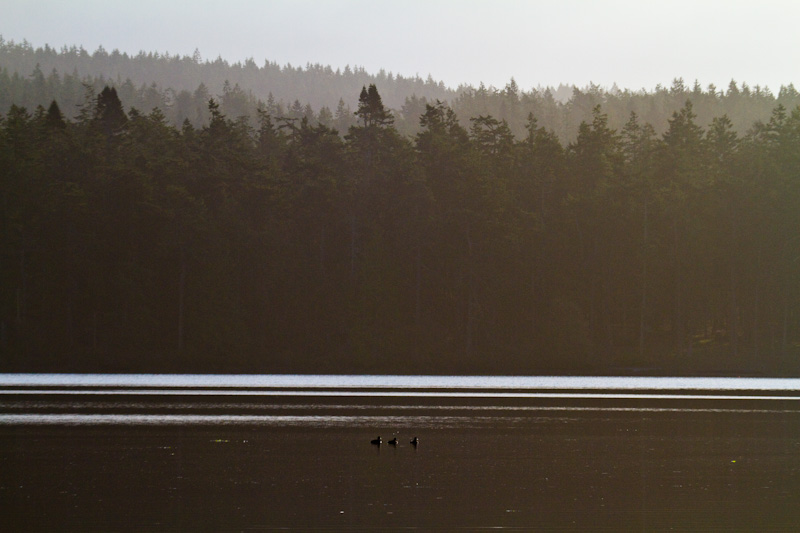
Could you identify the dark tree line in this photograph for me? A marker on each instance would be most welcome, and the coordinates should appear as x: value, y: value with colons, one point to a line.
x: 130, y: 244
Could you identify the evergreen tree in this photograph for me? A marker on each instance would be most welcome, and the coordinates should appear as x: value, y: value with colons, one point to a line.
x: 108, y: 112
x: 55, y: 119
x: 371, y: 111
x: 683, y: 177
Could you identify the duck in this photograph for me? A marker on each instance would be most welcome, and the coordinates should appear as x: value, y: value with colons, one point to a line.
x: 377, y: 441
x: 415, y: 441
x: 393, y: 442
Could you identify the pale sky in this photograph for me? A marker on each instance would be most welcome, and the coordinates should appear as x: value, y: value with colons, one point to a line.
x: 636, y: 44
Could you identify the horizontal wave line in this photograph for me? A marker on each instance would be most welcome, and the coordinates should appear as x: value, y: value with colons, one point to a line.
x: 312, y: 420
x: 403, y: 394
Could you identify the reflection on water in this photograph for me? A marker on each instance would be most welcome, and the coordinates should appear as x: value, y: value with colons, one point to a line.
x: 398, y: 382
x: 183, y: 453
x: 327, y: 421
x: 602, y: 470
x: 488, y: 416
x: 415, y: 393
x: 364, y: 400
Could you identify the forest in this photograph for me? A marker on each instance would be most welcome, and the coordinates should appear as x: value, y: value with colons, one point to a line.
x: 275, y: 242
x: 130, y: 244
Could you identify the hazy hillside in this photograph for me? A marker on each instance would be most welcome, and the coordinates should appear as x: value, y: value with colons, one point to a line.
x: 151, y: 79
x: 181, y: 86
x: 314, y: 84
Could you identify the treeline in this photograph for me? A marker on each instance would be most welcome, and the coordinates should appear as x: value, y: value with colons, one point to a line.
x: 742, y: 104
x: 180, y: 86
x: 131, y: 244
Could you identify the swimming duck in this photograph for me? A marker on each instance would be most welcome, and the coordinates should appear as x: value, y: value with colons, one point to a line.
x: 393, y: 442
x: 415, y: 441
x: 377, y: 441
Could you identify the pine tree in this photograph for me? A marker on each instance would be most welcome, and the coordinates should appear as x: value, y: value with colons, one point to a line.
x: 54, y: 118
x: 109, y: 114
x: 371, y: 110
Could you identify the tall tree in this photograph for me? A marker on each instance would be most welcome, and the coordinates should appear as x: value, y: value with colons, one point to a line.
x: 596, y: 163
x: 371, y: 111
x: 682, y: 177
x: 639, y: 147
x: 723, y: 145
x: 109, y: 114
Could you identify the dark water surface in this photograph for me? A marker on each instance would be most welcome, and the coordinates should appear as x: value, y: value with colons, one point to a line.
x: 185, y: 453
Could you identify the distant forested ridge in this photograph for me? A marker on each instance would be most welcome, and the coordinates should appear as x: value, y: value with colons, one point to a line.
x: 180, y: 86
x: 279, y: 244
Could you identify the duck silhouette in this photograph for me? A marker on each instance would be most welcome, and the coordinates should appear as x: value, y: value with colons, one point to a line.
x: 393, y: 442
x: 376, y: 442
x: 415, y: 441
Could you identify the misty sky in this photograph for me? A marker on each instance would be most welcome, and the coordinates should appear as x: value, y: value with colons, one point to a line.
x: 635, y: 43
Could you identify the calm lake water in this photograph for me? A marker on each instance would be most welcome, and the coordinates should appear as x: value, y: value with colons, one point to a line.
x: 206, y: 452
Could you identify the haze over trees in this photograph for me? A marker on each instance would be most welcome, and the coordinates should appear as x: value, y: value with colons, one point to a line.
x: 180, y: 87
x: 654, y: 233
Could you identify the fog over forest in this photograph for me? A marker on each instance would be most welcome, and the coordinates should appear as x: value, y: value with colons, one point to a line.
x: 164, y: 213
x: 182, y: 85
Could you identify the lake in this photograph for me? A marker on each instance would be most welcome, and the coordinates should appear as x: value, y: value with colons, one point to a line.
x: 211, y: 452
